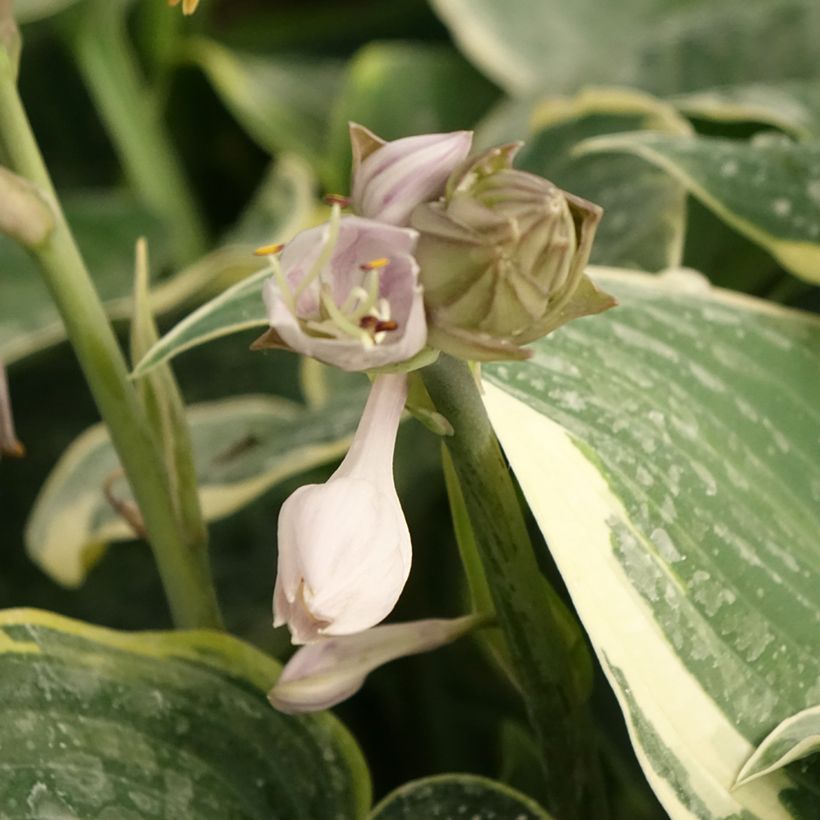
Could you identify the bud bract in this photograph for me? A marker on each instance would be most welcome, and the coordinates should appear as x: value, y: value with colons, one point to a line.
x: 391, y: 178
x: 347, y: 293
x: 502, y: 259
x: 329, y: 671
x: 344, y: 546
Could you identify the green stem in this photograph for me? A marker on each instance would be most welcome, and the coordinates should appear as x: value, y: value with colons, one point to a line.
x: 185, y: 573
x: 98, y: 39
x: 536, y: 637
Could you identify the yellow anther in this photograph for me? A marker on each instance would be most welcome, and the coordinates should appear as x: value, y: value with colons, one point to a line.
x: 269, y: 250
x: 381, y: 262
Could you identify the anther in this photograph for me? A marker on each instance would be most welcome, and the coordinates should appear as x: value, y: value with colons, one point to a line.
x: 376, y: 325
x: 269, y: 250
x: 374, y: 264
x: 337, y: 199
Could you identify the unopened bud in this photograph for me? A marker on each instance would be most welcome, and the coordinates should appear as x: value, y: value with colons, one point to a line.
x: 502, y: 259
x: 25, y: 214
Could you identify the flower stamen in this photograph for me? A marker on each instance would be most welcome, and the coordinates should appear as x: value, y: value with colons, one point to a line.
x: 269, y: 250
x: 325, y: 254
x: 374, y: 264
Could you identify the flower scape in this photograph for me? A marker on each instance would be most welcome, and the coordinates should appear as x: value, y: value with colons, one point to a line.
x: 443, y: 252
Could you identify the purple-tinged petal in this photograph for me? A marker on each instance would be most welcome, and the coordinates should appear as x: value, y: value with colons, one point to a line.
x: 392, y: 180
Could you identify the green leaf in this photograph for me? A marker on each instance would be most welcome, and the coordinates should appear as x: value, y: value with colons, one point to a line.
x: 657, y: 45
x: 399, y: 89
x: 159, y: 725
x: 238, y: 308
x: 669, y: 452
x: 457, y: 795
x: 796, y: 737
x: 283, y: 102
x: 793, y: 106
x: 767, y: 189
x: 644, y: 208
x: 106, y: 224
x: 242, y: 447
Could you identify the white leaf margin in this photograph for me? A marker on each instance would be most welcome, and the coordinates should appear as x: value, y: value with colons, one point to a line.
x: 796, y: 737
x: 575, y: 509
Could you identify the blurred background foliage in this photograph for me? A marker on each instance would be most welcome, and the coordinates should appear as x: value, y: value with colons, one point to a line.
x: 247, y: 82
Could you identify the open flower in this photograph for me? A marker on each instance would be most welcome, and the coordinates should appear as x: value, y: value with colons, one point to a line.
x: 347, y: 293
x: 391, y: 178
x: 344, y: 546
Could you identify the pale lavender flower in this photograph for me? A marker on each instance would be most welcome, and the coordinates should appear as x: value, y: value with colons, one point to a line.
x: 329, y: 671
x: 344, y: 546
x: 391, y: 178
x: 347, y: 293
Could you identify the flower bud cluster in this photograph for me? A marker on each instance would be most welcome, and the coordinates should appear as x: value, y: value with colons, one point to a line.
x: 464, y: 255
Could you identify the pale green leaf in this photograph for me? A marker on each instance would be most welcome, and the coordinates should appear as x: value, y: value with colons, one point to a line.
x: 159, y: 726
x: 767, y: 189
x: 658, y: 45
x: 791, y: 106
x: 669, y: 451
x: 397, y: 89
x: 283, y: 102
x: 238, y: 308
x: 796, y: 737
x: 242, y: 447
x: 457, y: 795
x: 644, y: 208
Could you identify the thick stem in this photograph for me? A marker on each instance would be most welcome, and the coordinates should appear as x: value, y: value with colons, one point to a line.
x: 185, y: 573
x: 96, y: 33
x: 536, y: 639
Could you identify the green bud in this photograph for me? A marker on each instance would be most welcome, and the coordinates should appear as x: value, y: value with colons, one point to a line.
x: 502, y: 259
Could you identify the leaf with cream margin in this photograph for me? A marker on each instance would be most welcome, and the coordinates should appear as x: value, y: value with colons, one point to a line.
x: 793, y: 107
x: 661, y: 46
x: 243, y: 446
x: 457, y: 795
x: 768, y: 189
x: 644, y: 208
x: 795, y: 738
x: 160, y: 726
x: 669, y: 452
x: 239, y: 308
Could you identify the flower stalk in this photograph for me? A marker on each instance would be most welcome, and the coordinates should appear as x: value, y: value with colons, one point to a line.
x: 541, y: 650
x: 185, y: 572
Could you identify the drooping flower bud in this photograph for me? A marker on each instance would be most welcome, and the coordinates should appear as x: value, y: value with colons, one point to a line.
x: 344, y: 546
x: 347, y: 293
x: 391, y: 178
x: 502, y: 259
x: 9, y: 443
x: 329, y: 671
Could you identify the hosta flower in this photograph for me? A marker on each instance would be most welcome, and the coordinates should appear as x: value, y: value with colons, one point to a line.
x: 391, y: 178
x: 329, y: 671
x: 344, y: 546
x: 188, y: 6
x: 502, y: 259
x: 347, y: 293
